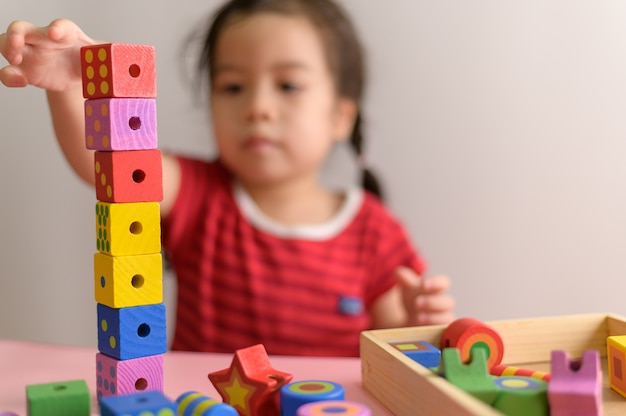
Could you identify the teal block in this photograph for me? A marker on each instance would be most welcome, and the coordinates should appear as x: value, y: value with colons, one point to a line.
x: 67, y: 398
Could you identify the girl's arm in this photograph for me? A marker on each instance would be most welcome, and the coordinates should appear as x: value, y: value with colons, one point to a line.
x: 68, y: 120
x: 49, y: 58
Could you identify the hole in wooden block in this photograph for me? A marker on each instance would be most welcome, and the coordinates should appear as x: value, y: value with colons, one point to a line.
x: 143, y: 330
x: 134, y: 70
x: 141, y: 384
x: 136, y: 228
x: 139, y: 176
x: 134, y: 123
x: 575, y: 365
x: 617, y: 368
x: 137, y: 281
x: 60, y: 387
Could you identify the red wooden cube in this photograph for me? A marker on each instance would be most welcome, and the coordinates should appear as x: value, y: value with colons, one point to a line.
x: 129, y: 176
x: 118, y: 70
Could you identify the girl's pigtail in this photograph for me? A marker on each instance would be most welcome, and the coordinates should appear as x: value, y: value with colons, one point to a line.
x: 369, y: 182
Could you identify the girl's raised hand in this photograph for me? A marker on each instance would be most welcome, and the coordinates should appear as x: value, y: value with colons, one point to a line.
x: 426, y: 300
x: 46, y: 57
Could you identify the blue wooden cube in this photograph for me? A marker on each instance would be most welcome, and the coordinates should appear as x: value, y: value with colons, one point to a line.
x: 420, y: 351
x: 137, y: 404
x: 133, y: 332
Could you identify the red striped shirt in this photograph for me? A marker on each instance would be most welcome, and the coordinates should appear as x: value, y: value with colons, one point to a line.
x: 239, y: 285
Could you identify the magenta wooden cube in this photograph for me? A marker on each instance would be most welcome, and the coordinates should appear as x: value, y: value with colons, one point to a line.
x: 575, y: 386
x: 121, y: 124
x: 117, y: 377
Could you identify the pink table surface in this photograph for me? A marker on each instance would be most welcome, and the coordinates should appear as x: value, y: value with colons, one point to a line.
x: 23, y: 363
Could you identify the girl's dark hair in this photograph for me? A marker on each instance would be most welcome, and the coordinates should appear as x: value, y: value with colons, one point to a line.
x: 344, y: 52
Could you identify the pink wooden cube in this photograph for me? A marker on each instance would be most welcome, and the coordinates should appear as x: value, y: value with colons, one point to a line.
x: 120, y: 124
x: 575, y: 386
x: 117, y: 377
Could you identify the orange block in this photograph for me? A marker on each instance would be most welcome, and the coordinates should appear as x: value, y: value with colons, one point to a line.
x: 616, y: 360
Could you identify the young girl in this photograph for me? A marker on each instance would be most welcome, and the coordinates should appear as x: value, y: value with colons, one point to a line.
x: 262, y: 252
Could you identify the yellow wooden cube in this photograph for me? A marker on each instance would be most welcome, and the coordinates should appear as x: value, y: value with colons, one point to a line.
x: 123, y: 281
x: 128, y: 229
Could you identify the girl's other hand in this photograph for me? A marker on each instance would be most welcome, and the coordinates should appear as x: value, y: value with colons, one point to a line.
x: 46, y: 57
x: 425, y: 300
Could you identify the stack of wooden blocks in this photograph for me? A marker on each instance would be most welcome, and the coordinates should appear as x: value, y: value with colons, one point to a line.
x: 119, y: 84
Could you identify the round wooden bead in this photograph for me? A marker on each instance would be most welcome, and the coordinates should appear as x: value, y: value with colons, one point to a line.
x: 193, y: 403
x: 334, y: 408
x: 296, y: 394
x: 468, y: 333
x: 520, y: 396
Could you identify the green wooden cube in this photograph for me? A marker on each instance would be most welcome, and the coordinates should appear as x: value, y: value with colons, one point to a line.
x: 67, y: 398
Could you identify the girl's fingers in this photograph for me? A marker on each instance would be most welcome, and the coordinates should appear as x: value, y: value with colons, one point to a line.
x: 435, y: 303
x: 435, y: 318
x: 436, y: 284
x: 12, y: 77
x: 62, y: 29
x: 13, y: 43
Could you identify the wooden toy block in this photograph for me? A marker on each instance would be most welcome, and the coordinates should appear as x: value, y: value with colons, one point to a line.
x: 121, y: 124
x: 575, y: 388
x: 393, y: 378
x: 521, y: 396
x: 128, y: 229
x: 129, y: 176
x: 334, y: 408
x: 117, y: 377
x: 469, y: 333
x: 118, y: 70
x: 138, y: 331
x: 296, y: 394
x: 472, y: 377
x: 616, y: 360
x: 250, y: 384
x: 68, y: 398
x: 124, y: 281
x: 192, y: 403
x: 508, y: 370
x: 421, y: 352
x: 149, y: 403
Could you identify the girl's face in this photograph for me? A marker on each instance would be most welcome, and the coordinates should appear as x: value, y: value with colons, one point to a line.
x: 274, y: 105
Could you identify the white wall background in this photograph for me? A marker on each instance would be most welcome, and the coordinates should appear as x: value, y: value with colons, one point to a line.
x: 498, y: 126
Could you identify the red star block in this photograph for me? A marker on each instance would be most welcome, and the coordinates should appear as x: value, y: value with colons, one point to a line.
x: 250, y: 384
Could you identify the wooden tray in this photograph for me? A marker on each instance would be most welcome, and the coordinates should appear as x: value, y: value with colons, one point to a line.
x: 408, y: 389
